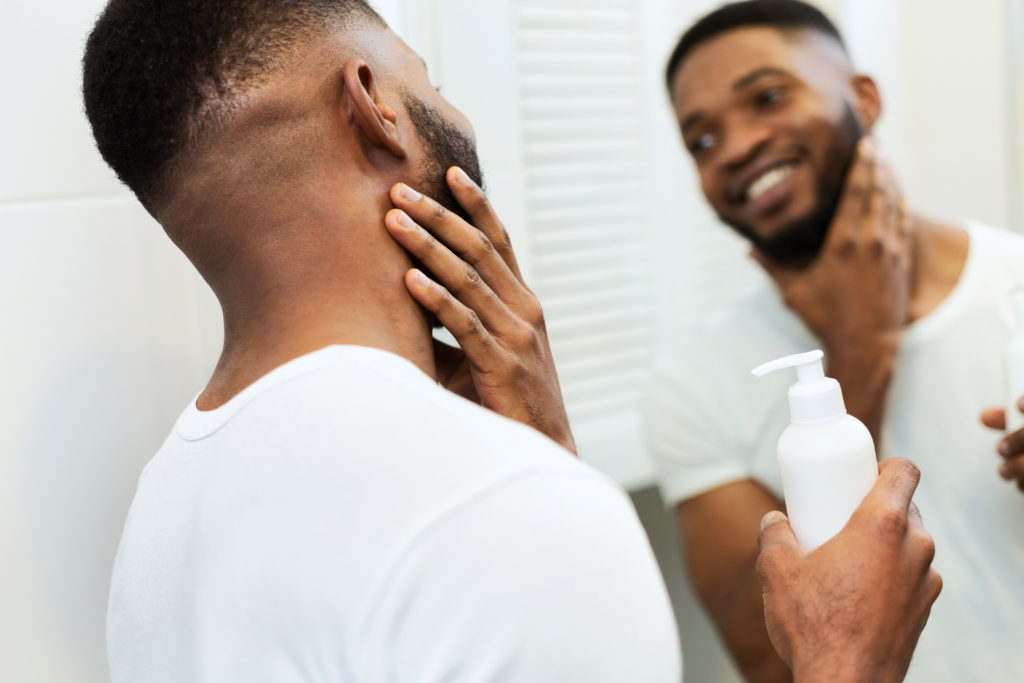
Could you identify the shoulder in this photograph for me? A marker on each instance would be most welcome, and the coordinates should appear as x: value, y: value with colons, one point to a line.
x: 996, y: 244
x: 548, y: 572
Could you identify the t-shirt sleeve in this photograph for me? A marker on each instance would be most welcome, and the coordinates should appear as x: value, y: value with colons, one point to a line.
x: 687, y: 422
x: 547, y: 577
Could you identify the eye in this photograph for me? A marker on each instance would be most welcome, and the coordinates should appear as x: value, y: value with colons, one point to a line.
x: 770, y: 96
x: 702, y: 143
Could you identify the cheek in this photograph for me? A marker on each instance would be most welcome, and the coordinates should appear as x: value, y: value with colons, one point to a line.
x: 708, y: 186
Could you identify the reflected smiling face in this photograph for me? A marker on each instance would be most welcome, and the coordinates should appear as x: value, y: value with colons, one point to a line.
x: 772, y: 121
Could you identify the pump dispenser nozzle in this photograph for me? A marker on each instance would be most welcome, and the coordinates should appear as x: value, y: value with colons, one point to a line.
x: 814, y: 397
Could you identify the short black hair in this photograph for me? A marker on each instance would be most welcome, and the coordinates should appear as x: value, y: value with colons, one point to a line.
x: 159, y: 75
x: 781, y: 14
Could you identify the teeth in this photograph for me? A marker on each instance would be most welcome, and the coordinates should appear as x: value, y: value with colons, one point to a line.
x: 768, y: 180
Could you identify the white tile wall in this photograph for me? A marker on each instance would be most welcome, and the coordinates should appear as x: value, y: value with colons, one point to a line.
x: 106, y: 334
x: 46, y: 148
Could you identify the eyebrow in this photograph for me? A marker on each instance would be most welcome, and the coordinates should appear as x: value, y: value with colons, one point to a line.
x: 757, y: 75
x: 741, y: 83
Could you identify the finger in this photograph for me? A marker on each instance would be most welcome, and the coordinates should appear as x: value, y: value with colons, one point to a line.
x: 873, y: 222
x: 994, y: 418
x: 472, y: 199
x: 882, y: 224
x: 480, y: 347
x: 458, y: 277
x: 1011, y: 445
x: 1012, y: 468
x: 897, y: 481
x: 903, y: 218
x: 775, y: 530
x: 856, y: 196
x: 461, y: 238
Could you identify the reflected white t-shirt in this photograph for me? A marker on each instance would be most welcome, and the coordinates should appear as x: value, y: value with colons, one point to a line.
x: 346, y: 519
x: 710, y: 422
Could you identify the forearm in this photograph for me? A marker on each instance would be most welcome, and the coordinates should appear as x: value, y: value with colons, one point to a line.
x: 739, y: 617
x: 864, y: 370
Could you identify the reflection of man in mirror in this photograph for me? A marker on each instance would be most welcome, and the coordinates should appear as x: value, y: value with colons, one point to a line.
x: 909, y: 311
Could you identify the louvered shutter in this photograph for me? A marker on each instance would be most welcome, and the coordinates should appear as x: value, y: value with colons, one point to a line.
x: 585, y: 167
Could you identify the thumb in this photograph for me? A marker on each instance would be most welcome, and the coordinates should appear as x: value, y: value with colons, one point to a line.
x: 994, y: 418
x: 775, y: 530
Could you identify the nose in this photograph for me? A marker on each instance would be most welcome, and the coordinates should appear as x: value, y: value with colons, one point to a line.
x: 742, y: 141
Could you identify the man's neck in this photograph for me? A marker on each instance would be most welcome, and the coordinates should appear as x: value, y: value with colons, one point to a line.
x: 939, y: 254
x: 278, y: 339
x: 271, y: 319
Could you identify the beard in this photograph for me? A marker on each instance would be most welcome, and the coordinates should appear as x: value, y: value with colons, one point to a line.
x: 801, y: 240
x: 445, y: 146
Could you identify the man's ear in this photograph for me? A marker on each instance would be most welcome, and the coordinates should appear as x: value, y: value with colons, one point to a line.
x: 375, y: 119
x: 868, y: 101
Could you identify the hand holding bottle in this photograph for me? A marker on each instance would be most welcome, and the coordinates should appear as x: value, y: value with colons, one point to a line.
x: 853, y: 609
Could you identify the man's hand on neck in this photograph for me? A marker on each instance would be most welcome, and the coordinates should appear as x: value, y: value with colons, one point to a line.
x: 480, y: 296
x: 854, y: 296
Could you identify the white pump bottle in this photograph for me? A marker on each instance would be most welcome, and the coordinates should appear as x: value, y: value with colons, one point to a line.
x: 826, y: 456
x: 1014, y: 358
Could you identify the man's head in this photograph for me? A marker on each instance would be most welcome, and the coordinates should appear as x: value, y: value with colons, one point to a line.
x: 771, y: 110
x: 222, y: 112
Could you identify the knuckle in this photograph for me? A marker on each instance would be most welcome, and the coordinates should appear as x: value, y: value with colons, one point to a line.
x: 473, y: 324
x: 532, y: 312
x: 928, y: 550
x: 846, y: 246
x: 438, y: 210
x: 891, y: 523
x: 525, y: 337
x: 934, y: 584
x: 482, y: 203
x: 910, y: 469
x: 472, y: 276
x: 858, y: 192
x: 429, y: 241
x: 769, y: 564
x: 483, y: 248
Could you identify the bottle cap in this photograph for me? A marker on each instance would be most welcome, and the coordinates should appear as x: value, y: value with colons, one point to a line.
x: 814, y: 397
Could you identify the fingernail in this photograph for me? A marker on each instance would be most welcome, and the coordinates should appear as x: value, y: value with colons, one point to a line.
x: 404, y: 220
x: 1004, y: 449
x: 462, y: 178
x: 421, y: 278
x: 769, y: 519
x: 1004, y: 471
x: 409, y: 194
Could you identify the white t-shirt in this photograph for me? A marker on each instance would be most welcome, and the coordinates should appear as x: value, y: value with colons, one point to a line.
x: 346, y: 519
x: 710, y: 422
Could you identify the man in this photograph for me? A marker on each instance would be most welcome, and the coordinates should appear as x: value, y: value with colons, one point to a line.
x: 908, y: 311
x: 324, y: 510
